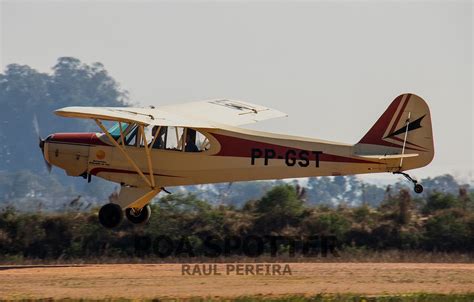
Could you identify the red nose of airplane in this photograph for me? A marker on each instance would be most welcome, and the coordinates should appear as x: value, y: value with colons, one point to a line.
x: 70, y: 151
x: 87, y: 138
x: 42, y: 143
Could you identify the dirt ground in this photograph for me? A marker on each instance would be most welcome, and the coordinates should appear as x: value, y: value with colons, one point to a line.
x: 166, y: 280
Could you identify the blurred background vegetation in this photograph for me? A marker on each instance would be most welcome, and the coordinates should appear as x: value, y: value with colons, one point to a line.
x: 439, y: 223
x: 50, y: 216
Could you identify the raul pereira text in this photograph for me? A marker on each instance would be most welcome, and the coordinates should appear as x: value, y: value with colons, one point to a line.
x: 237, y: 269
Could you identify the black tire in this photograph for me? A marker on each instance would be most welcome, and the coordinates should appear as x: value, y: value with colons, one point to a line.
x: 110, y: 215
x: 418, y: 188
x: 139, y: 218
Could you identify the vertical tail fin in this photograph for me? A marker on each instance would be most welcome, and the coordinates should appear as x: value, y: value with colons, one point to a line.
x: 404, y: 128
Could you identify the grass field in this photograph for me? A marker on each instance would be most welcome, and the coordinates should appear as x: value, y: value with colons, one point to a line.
x: 314, y: 281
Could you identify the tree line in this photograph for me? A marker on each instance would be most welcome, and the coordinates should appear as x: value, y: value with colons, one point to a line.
x: 27, y: 95
x: 440, y: 222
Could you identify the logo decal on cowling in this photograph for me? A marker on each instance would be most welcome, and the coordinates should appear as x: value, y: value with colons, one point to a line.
x: 100, y: 154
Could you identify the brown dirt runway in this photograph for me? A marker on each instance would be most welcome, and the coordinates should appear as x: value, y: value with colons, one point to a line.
x: 166, y: 280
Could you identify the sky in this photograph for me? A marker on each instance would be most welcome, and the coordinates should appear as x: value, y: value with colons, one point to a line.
x: 333, y: 66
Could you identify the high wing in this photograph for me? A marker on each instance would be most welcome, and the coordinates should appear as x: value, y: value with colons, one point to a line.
x: 202, y: 114
x: 145, y: 116
x: 228, y: 112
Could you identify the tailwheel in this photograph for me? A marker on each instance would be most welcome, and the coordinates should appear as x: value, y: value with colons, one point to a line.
x: 416, y: 186
x: 110, y: 215
x: 138, y: 216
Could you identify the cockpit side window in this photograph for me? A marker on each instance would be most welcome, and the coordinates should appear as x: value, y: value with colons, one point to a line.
x: 190, y: 145
x: 131, y: 137
x: 148, y: 137
x: 158, y: 138
x: 174, y: 138
x: 115, y: 129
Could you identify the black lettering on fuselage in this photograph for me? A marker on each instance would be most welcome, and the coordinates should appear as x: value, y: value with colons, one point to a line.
x: 291, y: 157
x: 304, y: 161
x: 269, y: 153
x: 255, y: 153
x: 316, y: 154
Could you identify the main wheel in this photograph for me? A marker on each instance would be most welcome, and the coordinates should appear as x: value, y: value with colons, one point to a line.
x: 418, y: 188
x: 138, y: 216
x: 110, y: 215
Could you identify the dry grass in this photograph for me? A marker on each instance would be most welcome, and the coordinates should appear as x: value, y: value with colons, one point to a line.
x: 148, y: 281
x: 349, y: 255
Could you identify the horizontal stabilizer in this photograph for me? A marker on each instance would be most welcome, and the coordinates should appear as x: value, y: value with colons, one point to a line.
x: 389, y: 156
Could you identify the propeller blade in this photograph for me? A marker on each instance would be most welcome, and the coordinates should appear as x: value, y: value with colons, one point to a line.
x: 41, y: 142
x: 49, y: 167
x: 36, y: 126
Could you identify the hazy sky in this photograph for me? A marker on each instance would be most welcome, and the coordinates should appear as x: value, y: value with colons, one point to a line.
x: 332, y: 66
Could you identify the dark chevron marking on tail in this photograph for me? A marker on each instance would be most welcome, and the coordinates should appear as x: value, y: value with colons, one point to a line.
x: 412, y: 126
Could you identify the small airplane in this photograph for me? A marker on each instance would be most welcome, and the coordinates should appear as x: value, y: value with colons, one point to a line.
x: 147, y: 150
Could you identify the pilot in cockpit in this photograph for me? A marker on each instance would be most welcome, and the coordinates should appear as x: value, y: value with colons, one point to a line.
x: 160, y: 140
x: 191, y: 141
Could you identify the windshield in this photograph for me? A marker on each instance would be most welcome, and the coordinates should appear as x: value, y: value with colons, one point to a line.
x: 115, y: 129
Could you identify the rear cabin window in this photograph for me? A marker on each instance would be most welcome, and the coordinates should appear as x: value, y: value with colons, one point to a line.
x: 176, y: 139
x: 202, y: 142
x: 148, y: 139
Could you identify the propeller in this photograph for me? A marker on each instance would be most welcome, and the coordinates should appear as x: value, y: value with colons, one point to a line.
x: 41, y: 142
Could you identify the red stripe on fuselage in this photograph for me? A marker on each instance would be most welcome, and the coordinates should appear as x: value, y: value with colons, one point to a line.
x: 239, y: 147
x: 85, y: 138
x: 96, y: 171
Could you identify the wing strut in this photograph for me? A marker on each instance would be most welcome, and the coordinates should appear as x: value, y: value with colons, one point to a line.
x: 148, y: 156
x: 144, y: 200
x: 405, y: 139
x: 122, y: 149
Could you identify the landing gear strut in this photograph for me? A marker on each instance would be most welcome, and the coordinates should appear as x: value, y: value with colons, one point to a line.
x: 417, y: 187
x: 138, y: 216
x: 110, y: 215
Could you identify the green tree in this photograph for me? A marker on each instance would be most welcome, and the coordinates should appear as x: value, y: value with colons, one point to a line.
x: 440, y: 201
x: 404, y: 204
x: 450, y: 230
x: 281, y: 199
x: 26, y: 94
x: 326, y: 223
x: 280, y: 207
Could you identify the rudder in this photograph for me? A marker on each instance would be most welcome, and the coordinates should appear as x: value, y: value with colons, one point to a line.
x: 406, y: 121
